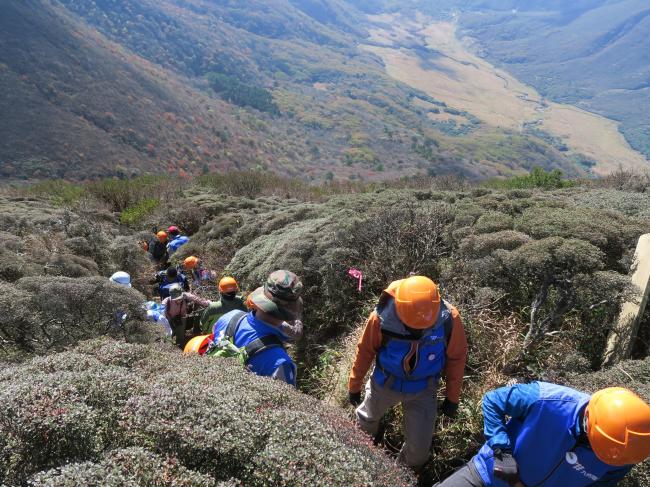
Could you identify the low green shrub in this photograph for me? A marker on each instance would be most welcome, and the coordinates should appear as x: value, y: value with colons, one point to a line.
x: 62, y: 193
x: 133, y: 466
x: 41, y: 314
x: 537, y: 178
x: 126, y: 410
x: 136, y: 213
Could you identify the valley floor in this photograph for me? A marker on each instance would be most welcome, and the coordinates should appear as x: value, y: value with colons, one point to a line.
x: 429, y: 56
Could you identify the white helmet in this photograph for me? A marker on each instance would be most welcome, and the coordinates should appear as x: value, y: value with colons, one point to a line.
x: 121, y: 278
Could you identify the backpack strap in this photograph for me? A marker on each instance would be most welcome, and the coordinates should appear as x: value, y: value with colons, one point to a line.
x: 256, y: 346
x: 448, y: 324
x: 262, y: 344
x: 233, y: 325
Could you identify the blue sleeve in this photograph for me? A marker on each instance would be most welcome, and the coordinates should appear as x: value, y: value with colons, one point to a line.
x: 515, y: 402
x: 612, y: 478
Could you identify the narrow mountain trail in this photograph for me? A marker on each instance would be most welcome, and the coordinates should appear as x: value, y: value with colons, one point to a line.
x: 467, y: 82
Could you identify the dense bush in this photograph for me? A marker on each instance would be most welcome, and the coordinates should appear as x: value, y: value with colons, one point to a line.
x: 48, y: 313
x: 126, y: 410
x: 128, y: 467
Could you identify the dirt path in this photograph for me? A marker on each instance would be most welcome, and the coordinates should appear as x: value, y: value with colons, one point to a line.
x: 467, y: 82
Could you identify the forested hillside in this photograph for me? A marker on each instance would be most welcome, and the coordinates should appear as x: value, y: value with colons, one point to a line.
x: 118, y: 88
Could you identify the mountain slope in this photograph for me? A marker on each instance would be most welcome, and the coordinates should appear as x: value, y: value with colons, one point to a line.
x: 104, y: 87
x: 80, y: 106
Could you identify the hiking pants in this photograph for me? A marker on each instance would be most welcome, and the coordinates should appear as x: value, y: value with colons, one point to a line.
x: 420, y: 411
x: 466, y: 476
x: 178, y: 330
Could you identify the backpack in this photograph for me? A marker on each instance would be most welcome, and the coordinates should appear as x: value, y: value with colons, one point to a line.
x: 226, y: 346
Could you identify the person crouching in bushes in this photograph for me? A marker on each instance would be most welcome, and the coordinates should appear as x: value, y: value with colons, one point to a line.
x: 262, y: 333
x: 229, y: 301
x: 177, y: 240
x: 176, y: 310
x: 552, y: 435
x: 166, y: 279
x: 156, y: 249
x: 193, y: 267
x: 414, y: 337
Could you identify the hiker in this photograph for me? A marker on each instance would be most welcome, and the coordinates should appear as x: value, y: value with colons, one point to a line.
x: 157, y: 249
x: 260, y: 334
x: 194, y: 267
x: 120, y: 278
x: 176, y: 307
x: 168, y: 278
x: 557, y: 437
x: 415, y: 337
x: 229, y: 301
x: 177, y: 240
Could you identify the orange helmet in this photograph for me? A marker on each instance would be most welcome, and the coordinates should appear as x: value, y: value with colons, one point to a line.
x: 191, y: 262
x: 198, y: 345
x: 618, y: 426
x: 162, y: 236
x: 249, y: 303
x: 228, y: 285
x: 417, y: 301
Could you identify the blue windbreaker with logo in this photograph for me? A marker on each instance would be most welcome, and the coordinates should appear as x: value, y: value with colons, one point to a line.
x: 543, y: 435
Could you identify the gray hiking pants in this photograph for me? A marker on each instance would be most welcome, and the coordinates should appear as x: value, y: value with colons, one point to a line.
x: 420, y: 411
x: 466, y: 476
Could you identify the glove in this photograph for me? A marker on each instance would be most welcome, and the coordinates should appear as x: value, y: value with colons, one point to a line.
x: 354, y: 398
x: 449, y: 408
x: 505, y: 467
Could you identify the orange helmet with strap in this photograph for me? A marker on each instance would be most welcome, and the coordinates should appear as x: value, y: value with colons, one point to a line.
x: 198, y: 345
x: 162, y: 236
x: 228, y: 285
x: 417, y: 301
x: 618, y: 426
x: 191, y: 262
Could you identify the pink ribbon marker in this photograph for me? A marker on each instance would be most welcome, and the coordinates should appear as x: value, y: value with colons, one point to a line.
x: 356, y: 274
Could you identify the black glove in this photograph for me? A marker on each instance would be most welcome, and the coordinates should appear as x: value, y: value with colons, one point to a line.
x: 449, y: 408
x: 505, y: 466
x: 354, y: 398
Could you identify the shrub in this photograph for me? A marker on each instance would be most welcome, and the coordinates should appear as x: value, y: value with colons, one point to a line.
x: 120, y: 194
x: 537, y: 178
x: 610, y: 231
x: 477, y: 246
x: 45, y: 313
x: 70, y: 265
x: 493, y: 221
x: 129, y: 466
x: 136, y: 213
x: 12, y: 266
x: 230, y: 424
x: 62, y: 193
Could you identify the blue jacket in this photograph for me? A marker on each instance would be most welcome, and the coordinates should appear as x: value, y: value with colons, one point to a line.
x: 544, y: 435
x: 176, y: 244
x: 273, y: 362
x: 406, y: 364
x: 165, y: 284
